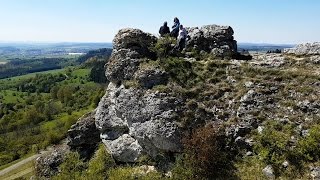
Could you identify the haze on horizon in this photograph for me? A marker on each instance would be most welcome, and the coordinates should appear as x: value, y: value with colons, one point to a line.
x: 254, y: 21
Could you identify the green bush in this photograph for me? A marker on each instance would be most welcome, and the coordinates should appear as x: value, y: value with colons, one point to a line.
x: 163, y: 47
x: 131, y: 173
x: 307, y: 149
x: 180, y: 71
x: 72, y: 167
x: 273, y: 144
x: 100, y: 164
x: 206, y: 156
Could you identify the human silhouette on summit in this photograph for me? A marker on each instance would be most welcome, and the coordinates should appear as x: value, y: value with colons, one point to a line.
x: 164, y: 30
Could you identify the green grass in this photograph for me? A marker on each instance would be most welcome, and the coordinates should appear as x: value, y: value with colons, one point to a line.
x: 56, y: 71
x: 81, y: 72
x: 65, y: 118
x: 16, y: 161
x: 10, y: 96
x: 25, y: 171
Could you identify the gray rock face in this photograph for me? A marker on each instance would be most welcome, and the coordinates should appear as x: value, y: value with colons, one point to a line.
x: 147, y: 116
x: 151, y: 76
x: 124, y: 149
x: 133, y: 39
x: 130, y: 46
x: 132, y: 121
x: 214, y: 39
x: 47, y: 165
x: 122, y: 65
x: 305, y: 49
x: 268, y: 60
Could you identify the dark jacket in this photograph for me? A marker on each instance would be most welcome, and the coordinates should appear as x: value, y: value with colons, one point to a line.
x: 175, y: 29
x: 164, y: 30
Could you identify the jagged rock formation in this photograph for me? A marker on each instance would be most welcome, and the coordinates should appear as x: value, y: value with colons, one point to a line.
x: 312, y: 50
x: 130, y: 47
x: 136, y: 121
x: 214, y: 39
x: 305, y: 49
x: 47, y: 165
x: 82, y: 137
x: 145, y: 110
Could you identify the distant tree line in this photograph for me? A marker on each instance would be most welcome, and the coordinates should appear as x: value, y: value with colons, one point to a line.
x: 99, y: 54
x: 25, y: 66
x: 278, y: 51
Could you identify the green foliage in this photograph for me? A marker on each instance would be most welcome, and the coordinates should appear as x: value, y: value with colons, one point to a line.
x: 130, y: 173
x: 18, y: 67
x: 273, y: 144
x: 97, y: 73
x: 41, y: 83
x: 274, y: 148
x: 41, y: 116
x: 307, y: 149
x: 100, y: 164
x: 180, y: 71
x: 72, y: 167
x: 163, y: 46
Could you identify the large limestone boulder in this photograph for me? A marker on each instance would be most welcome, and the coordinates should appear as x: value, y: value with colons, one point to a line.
x: 130, y: 46
x: 134, y: 122
x: 214, y: 39
x: 134, y: 39
x: 304, y: 49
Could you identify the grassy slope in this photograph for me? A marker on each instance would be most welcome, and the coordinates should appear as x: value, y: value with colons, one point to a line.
x: 25, y: 171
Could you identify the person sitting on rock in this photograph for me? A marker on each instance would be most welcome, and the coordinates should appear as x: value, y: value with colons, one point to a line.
x: 164, y: 30
x: 175, y: 28
x: 182, y: 37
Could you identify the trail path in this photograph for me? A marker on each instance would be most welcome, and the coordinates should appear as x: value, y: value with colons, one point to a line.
x: 21, y: 163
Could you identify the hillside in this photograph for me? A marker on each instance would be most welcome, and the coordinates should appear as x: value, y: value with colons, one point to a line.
x: 197, y: 114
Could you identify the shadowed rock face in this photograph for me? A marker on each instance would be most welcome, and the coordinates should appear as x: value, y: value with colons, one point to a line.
x: 84, y: 136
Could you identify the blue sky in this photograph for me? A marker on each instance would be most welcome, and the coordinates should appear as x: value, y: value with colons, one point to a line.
x: 257, y: 21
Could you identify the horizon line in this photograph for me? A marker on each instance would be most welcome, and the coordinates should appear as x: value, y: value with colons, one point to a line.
x: 106, y: 42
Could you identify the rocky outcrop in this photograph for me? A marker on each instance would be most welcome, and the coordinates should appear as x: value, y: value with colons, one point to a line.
x: 270, y: 60
x: 136, y: 121
x: 308, y: 49
x: 84, y: 136
x: 214, y: 39
x: 130, y: 46
x: 47, y: 165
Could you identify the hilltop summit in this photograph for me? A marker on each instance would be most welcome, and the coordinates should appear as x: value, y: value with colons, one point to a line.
x: 197, y: 111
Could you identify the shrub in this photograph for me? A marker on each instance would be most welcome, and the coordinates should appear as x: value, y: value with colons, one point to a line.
x: 72, y: 167
x: 179, y: 70
x: 307, y: 149
x: 206, y: 155
x: 273, y: 144
x: 100, y: 164
x: 130, y: 173
x: 163, y: 47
